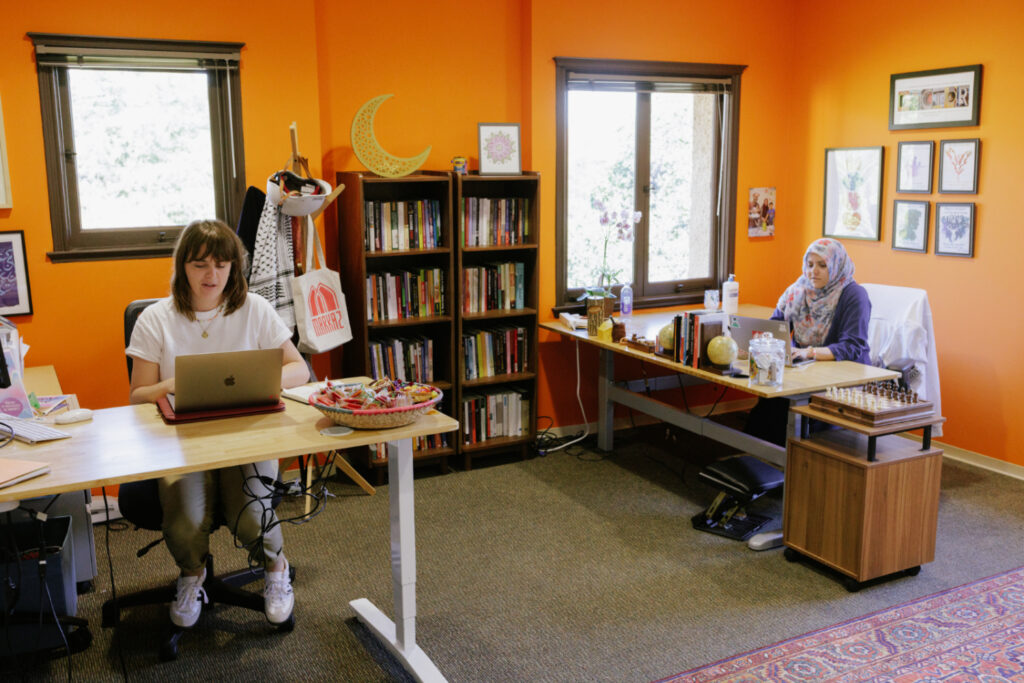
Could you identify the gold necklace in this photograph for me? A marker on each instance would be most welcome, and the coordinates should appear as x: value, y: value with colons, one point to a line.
x: 209, y: 322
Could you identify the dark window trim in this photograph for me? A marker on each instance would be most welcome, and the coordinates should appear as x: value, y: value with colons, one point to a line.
x: 726, y: 227
x: 219, y: 60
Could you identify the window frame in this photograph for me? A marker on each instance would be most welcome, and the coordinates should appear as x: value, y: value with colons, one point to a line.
x: 55, y: 55
x: 724, y: 229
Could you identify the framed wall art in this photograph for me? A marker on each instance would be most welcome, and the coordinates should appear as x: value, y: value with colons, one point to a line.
x: 910, y: 225
x: 15, y: 296
x: 914, y: 167
x: 958, y: 166
x: 5, y: 174
x: 500, y: 153
x: 954, y: 228
x: 940, y: 98
x: 853, y: 193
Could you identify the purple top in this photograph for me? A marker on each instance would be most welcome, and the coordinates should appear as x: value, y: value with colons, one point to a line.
x: 847, y: 336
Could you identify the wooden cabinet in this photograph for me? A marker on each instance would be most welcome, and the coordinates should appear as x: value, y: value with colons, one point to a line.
x: 865, y: 519
x: 497, y: 228
x: 395, y: 255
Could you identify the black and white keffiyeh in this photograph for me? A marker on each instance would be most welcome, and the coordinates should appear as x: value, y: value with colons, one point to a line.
x: 273, y: 261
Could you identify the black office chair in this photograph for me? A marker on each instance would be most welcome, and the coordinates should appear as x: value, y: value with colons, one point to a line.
x: 139, y: 503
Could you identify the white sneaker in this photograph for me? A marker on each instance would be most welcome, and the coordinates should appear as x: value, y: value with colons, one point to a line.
x: 189, y: 600
x: 278, y: 598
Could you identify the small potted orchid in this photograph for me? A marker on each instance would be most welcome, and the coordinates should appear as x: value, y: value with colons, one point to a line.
x: 615, y: 225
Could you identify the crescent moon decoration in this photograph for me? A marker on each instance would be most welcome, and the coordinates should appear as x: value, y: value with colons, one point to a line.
x: 371, y: 154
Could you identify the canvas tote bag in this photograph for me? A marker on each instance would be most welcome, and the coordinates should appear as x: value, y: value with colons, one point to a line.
x: 320, y: 312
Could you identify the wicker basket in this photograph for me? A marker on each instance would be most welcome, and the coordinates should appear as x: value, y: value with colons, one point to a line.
x: 378, y: 418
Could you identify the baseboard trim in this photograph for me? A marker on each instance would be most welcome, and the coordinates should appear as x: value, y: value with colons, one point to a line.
x: 985, y: 462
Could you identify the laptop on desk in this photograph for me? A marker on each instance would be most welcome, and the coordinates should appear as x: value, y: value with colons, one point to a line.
x: 743, y: 328
x: 210, y: 385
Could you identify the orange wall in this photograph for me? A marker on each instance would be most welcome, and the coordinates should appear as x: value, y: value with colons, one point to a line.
x: 77, y: 323
x: 974, y: 302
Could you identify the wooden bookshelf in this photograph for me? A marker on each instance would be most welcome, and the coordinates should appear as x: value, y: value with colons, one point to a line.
x: 356, y: 261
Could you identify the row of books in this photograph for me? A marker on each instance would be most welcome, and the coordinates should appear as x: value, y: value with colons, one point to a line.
x: 692, y: 330
x: 379, y: 451
x: 405, y: 294
x: 407, y: 359
x: 493, y: 287
x: 494, y: 414
x: 395, y: 226
x: 488, y: 222
x: 496, y: 351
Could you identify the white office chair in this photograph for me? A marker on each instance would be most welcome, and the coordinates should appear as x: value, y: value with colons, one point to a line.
x: 901, y: 328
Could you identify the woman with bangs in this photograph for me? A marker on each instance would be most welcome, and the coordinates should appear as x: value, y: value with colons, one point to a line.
x: 211, y: 310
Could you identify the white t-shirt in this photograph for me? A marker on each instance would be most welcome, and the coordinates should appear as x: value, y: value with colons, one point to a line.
x: 161, y: 333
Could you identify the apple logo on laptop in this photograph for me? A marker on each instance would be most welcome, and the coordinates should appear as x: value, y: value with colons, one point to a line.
x: 229, y: 381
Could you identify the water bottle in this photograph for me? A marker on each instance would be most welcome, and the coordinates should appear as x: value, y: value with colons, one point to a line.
x: 626, y: 301
x: 730, y: 295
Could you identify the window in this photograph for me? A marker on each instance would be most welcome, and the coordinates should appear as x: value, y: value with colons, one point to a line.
x: 141, y: 137
x: 646, y: 175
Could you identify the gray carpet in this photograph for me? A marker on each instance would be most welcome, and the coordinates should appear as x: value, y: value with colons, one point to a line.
x: 570, y: 567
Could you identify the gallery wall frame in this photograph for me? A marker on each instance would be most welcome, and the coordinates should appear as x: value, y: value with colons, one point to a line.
x: 5, y: 174
x: 500, y: 149
x: 938, y: 98
x: 15, y: 294
x: 958, y: 166
x: 852, y: 205
x: 910, y: 225
x: 954, y: 229
x: 914, y: 167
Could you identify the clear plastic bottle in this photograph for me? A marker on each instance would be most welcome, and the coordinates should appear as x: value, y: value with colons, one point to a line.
x: 730, y: 295
x: 626, y: 301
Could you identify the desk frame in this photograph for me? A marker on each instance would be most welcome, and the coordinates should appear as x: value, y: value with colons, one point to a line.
x: 93, y: 458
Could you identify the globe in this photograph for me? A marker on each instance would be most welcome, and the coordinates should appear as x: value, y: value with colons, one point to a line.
x: 722, y: 350
x: 666, y: 337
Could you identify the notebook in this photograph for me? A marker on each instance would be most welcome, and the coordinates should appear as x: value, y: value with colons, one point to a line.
x: 742, y: 328
x: 210, y: 385
x: 15, y: 471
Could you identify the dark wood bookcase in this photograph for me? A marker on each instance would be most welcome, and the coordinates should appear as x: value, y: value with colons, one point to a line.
x: 356, y: 262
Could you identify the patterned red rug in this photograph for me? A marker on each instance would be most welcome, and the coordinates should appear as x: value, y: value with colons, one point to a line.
x: 971, y: 633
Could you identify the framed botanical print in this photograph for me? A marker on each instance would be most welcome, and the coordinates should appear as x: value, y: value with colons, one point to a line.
x: 853, y: 193
x: 954, y: 229
x: 914, y: 167
x: 958, y: 166
x: 910, y: 225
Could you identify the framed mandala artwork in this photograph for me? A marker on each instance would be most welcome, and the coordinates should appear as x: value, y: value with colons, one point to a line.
x: 499, y: 149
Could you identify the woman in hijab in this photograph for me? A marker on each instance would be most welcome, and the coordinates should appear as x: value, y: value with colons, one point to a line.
x: 829, y: 314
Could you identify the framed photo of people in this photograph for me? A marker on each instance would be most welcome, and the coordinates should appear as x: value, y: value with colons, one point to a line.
x: 914, y: 167
x: 940, y: 98
x: 910, y: 225
x: 958, y: 166
x: 853, y: 193
x: 954, y: 228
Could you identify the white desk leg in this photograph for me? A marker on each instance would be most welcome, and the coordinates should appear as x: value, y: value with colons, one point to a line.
x: 399, y: 636
x: 605, y: 407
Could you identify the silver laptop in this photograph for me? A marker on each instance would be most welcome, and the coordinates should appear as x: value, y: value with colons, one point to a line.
x: 743, y: 327
x: 233, y: 379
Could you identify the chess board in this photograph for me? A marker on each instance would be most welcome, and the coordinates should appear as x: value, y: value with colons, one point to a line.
x: 871, y: 405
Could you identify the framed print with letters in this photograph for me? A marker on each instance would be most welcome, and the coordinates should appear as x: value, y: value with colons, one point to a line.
x: 499, y: 149
x: 15, y: 297
x: 940, y: 98
x: 914, y: 167
x: 853, y: 193
x: 910, y: 225
x: 954, y: 229
x: 958, y: 166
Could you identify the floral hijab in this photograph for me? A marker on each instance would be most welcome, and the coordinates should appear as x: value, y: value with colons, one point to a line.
x: 811, y: 309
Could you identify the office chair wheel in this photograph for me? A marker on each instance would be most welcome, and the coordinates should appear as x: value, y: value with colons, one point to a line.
x: 169, y: 648
x: 790, y: 555
x: 288, y: 625
x: 851, y: 585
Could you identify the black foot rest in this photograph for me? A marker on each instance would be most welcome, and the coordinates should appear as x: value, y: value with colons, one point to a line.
x: 740, y: 480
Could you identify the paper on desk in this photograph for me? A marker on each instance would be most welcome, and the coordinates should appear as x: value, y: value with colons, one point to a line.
x: 302, y: 393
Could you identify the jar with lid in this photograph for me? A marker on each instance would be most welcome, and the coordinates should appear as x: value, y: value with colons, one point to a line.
x: 767, y: 360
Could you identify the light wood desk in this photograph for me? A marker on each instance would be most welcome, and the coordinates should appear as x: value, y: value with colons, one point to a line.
x: 132, y: 443
x: 798, y: 384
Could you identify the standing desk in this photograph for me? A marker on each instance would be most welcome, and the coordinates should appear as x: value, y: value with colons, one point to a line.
x: 798, y: 384
x: 132, y: 443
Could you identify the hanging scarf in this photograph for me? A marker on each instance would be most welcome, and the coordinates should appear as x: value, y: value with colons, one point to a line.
x: 273, y: 262
x: 810, y: 309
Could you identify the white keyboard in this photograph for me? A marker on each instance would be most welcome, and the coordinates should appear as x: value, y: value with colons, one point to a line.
x: 29, y: 431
